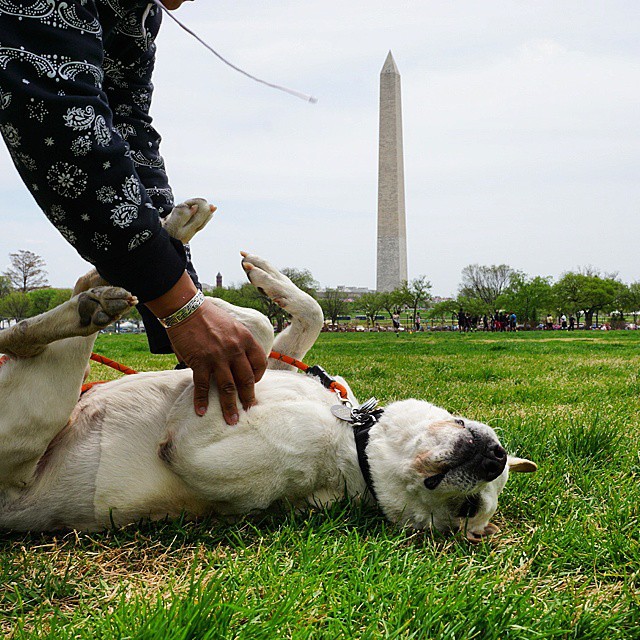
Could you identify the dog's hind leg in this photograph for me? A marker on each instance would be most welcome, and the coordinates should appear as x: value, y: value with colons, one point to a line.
x: 306, y: 315
x: 40, y: 383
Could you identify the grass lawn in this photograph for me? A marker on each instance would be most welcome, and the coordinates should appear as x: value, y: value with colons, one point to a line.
x: 565, y: 565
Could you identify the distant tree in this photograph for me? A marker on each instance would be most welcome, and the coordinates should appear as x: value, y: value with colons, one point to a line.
x: 416, y: 293
x: 394, y: 301
x: 443, y: 310
x: 40, y: 300
x: 245, y: 295
x: 5, y: 286
x: 474, y: 306
x: 27, y: 271
x: 485, y: 282
x: 587, y: 293
x: 527, y: 297
x: 630, y: 300
x: 334, y: 304
x: 370, y: 304
x: 15, y: 306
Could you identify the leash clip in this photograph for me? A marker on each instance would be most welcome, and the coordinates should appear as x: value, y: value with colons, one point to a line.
x: 362, y: 417
x: 345, y: 402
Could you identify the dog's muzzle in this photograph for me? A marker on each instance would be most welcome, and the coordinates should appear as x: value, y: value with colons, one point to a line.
x: 481, y: 458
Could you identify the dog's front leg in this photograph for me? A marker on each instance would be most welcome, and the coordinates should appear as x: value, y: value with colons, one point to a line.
x: 40, y: 383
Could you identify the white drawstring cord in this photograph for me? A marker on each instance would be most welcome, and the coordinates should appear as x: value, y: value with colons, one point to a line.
x: 292, y: 92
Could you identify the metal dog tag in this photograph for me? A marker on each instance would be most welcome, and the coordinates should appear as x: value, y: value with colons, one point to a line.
x: 365, y: 414
x: 342, y: 412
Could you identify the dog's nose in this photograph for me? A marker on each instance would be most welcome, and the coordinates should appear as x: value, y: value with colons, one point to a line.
x: 493, y: 462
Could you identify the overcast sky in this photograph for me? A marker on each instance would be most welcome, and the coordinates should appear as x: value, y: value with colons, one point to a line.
x: 521, y: 137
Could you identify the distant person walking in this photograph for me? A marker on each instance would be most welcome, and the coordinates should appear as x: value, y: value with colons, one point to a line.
x: 549, y: 324
x: 513, y: 322
x: 395, y: 319
x: 418, y: 322
x: 563, y: 321
x: 572, y: 323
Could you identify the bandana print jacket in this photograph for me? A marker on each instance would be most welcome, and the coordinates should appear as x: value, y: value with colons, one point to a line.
x: 75, y: 91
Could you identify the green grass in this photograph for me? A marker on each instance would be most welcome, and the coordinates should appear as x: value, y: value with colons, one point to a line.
x: 566, y: 564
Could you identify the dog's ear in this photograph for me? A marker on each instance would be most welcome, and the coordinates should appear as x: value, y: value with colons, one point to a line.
x: 521, y: 465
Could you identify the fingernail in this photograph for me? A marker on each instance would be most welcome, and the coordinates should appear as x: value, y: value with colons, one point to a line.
x: 201, y: 411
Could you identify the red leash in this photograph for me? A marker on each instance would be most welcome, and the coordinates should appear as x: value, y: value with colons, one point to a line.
x: 327, y: 381
x: 109, y: 363
x: 317, y: 371
x: 112, y: 363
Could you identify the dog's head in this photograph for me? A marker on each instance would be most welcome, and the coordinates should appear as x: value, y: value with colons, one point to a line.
x: 430, y: 468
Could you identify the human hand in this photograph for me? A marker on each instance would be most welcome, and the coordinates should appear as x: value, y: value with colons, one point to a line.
x: 214, y: 345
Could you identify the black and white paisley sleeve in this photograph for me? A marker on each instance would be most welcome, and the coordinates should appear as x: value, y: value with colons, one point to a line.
x: 128, y: 65
x: 57, y: 122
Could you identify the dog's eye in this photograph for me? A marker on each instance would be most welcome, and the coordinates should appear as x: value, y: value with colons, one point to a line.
x: 460, y: 422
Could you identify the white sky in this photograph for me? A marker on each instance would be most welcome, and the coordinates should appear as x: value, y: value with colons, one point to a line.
x: 521, y: 137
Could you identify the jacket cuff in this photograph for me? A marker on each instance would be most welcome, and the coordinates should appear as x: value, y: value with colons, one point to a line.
x: 149, y: 271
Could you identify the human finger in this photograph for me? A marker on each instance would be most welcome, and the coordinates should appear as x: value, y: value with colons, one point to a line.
x: 258, y: 360
x: 227, y: 394
x: 245, y: 381
x: 201, y: 384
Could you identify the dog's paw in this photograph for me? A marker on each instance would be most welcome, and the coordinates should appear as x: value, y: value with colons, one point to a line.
x: 268, y: 279
x: 101, y: 306
x: 477, y: 536
x: 186, y: 219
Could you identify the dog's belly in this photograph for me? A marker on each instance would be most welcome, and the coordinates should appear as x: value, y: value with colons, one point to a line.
x: 106, y: 467
x: 287, y: 447
x: 132, y: 482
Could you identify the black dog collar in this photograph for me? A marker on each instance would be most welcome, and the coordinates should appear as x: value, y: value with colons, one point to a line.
x: 361, y: 419
x: 361, y: 436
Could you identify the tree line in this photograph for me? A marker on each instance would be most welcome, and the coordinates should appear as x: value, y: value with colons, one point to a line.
x: 483, y: 290
x: 584, y: 293
x: 24, y: 289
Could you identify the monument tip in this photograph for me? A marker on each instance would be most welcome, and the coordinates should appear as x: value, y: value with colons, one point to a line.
x: 390, y: 64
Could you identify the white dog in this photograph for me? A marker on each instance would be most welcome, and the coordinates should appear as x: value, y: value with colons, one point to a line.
x: 134, y: 449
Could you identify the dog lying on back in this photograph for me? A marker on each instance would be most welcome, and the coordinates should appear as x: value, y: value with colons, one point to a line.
x: 134, y: 449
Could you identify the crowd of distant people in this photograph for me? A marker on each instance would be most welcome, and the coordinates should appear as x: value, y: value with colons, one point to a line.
x: 501, y: 321
x: 466, y: 322
x: 498, y: 321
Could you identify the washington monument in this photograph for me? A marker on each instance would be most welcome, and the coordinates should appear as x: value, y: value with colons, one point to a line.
x: 392, y: 228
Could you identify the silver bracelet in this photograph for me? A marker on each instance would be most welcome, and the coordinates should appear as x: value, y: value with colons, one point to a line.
x: 184, y: 312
